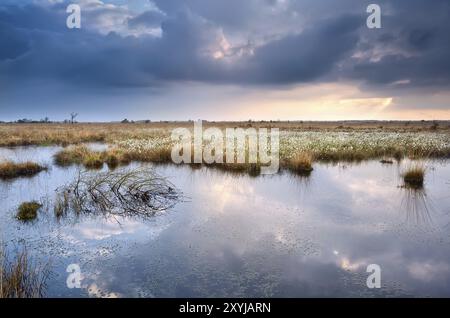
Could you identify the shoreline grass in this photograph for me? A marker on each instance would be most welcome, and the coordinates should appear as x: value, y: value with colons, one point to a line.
x: 11, y: 170
x: 91, y: 159
x: 324, y: 141
x: 160, y: 152
x: 112, y: 157
x: 20, y: 277
x: 71, y: 155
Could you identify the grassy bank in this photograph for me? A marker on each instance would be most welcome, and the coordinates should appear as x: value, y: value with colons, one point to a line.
x: 114, y: 157
x: 10, y: 170
x: 66, y: 134
x: 323, y: 142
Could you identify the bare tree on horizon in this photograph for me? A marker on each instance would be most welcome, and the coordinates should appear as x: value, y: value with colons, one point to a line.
x: 72, y: 117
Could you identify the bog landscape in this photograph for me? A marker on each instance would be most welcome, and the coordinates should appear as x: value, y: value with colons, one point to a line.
x: 224, y: 149
x: 109, y: 197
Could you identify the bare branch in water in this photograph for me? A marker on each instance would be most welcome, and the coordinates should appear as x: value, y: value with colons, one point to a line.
x: 139, y: 192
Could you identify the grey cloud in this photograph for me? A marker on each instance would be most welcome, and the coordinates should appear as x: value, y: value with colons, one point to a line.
x: 33, y: 16
x: 307, y: 56
x: 411, y: 45
x: 14, y: 43
x: 149, y: 19
x: 415, y: 40
x: 235, y: 13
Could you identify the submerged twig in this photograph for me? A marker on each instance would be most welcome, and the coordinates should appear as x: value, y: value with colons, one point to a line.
x: 139, y: 192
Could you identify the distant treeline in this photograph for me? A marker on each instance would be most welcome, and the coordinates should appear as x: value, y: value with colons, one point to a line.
x: 341, y: 123
x: 34, y: 121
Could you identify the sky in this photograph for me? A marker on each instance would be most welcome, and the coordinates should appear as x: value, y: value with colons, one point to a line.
x: 225, y: 60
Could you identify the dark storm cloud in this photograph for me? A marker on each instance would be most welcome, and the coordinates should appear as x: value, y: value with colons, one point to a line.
x: 38, y: 49
x: 33, y: 16
x: 289, y: 60
x: 13, y: 41
x: 318, y: 40
x: 230, y: 13
x: 414, y: 45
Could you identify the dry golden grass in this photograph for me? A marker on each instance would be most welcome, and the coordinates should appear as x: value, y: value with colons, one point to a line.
x: 65, y: 134
x: 48, y: 134
x: 324, y: 141
x: 113, y: 157
x: 157, y: 154
x: 10, y: 170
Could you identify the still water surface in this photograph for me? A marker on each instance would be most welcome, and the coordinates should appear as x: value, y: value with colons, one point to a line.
x: 243, y: 236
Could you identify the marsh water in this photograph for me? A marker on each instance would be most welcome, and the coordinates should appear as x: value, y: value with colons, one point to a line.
x: 243, y: 236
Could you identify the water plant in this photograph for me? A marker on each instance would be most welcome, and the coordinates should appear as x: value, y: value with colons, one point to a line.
x: 27, y: 211
x: 414, y: 176
x: 301, y: 163
x: 20, y: 277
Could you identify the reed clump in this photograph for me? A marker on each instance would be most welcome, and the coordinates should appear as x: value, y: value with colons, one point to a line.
x: 72, y: 155
x: 301, y: 163
x: 94, y: 160
x: 20, y: 277
x: 91, y: 159
x: 414, y: 176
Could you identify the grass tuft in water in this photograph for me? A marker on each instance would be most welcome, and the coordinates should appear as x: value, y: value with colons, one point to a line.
x: 414, y: 176
x: 27, y: 211
x: 301, y: 163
